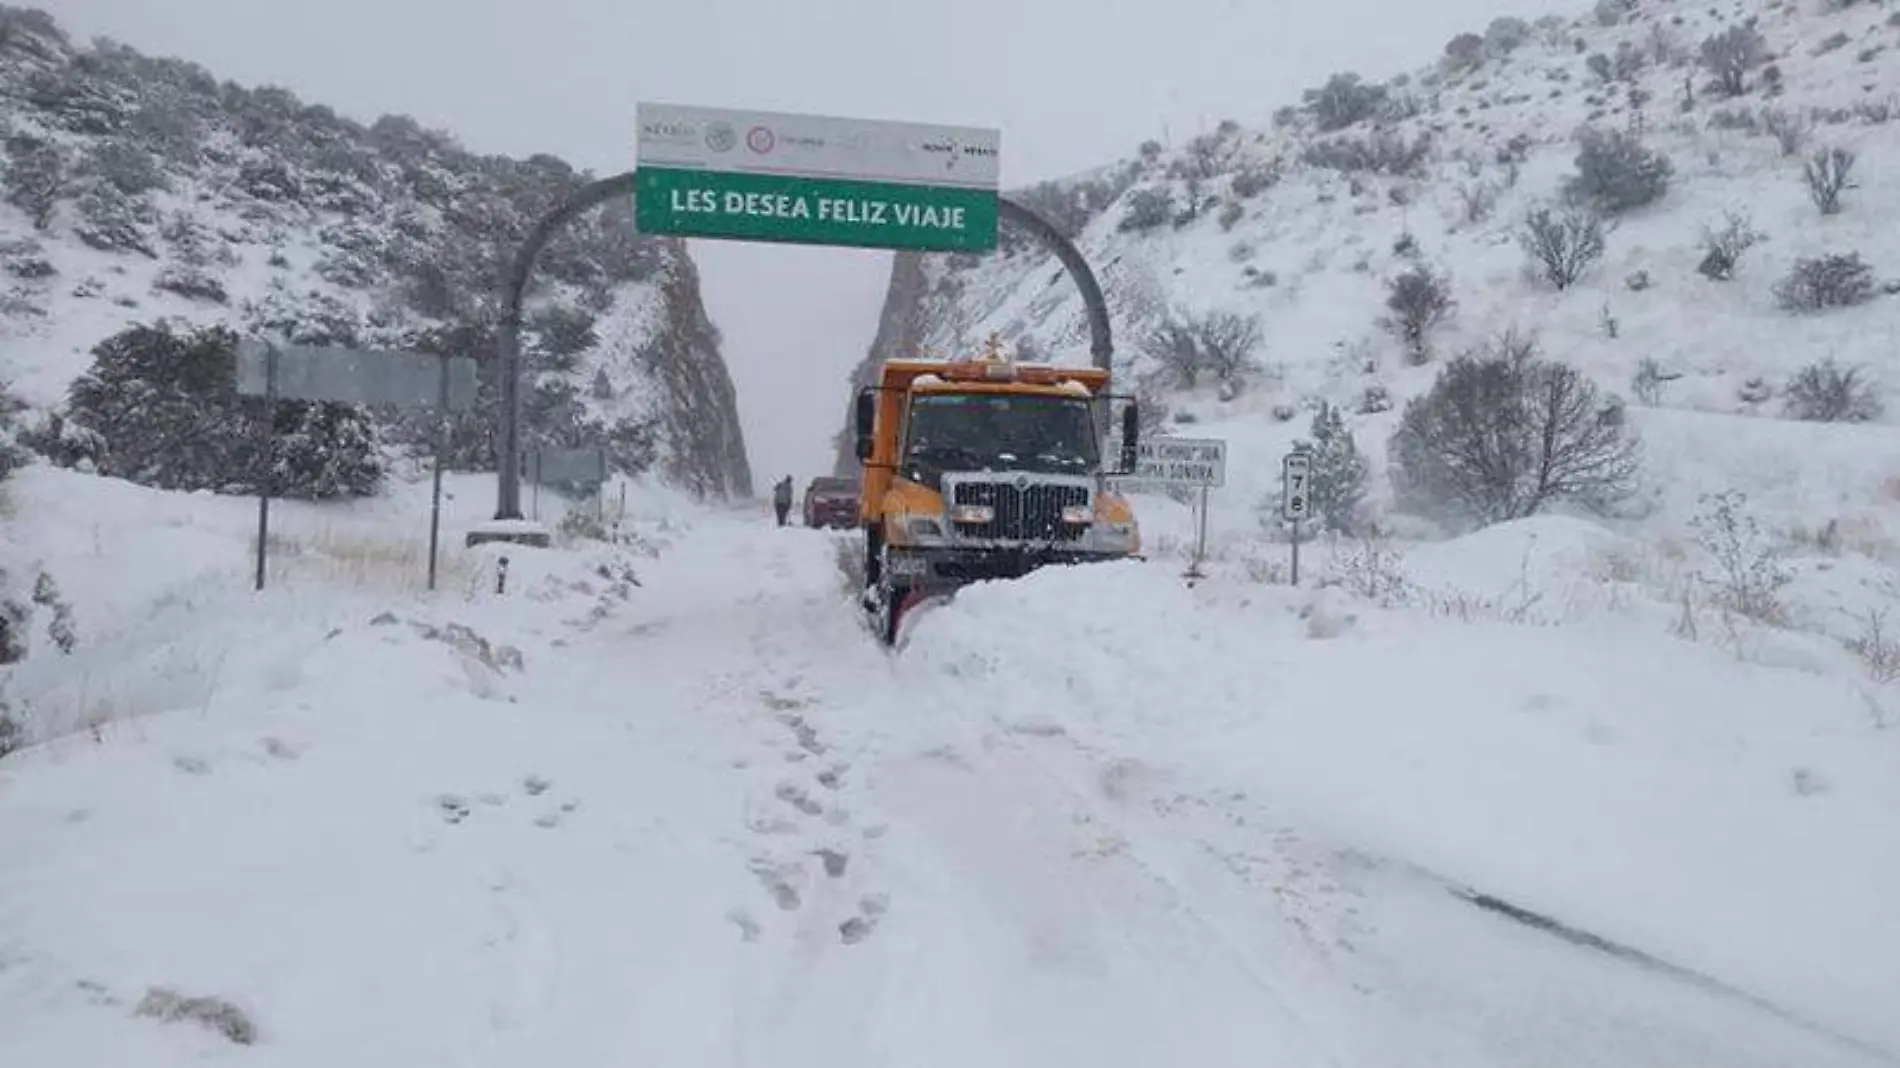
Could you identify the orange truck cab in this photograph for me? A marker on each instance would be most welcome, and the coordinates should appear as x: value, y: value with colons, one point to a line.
x: 985, y: 469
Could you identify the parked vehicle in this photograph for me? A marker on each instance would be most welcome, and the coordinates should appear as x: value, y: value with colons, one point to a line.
x: 831, y: 502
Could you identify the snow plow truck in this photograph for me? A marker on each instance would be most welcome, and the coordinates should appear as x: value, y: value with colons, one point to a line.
x: 983, y: 469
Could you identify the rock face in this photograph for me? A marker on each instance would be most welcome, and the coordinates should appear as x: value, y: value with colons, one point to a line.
x: 139, y: 189
x: 899, y: 328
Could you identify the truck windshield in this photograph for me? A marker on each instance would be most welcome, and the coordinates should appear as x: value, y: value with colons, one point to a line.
x: 999, y: 432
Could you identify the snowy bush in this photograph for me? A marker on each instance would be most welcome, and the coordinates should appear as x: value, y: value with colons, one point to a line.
x: 1722, y: 249
x: 1503, y: 433
x: 1506, y: 34
x: 1230, y: 215
x: 1730, y: 55
x: 1832, y: 281
x: 1465, y: 50
x: 124, y: 166
x: 190, y: 283
x: 1748, y: 573
x: 1254, y: 179
x: 1148, y: 208
x: 1479, y: 199
x: 1385, y: 152
x: 113, y: 222
x: 1616, y: 172
x: 1562, y: 247
x: 36, y: 177
x: 1827, y: 392
x: 159, y: 408
x: 1826, y: 173
x: 1418, y: 300
x: 1342, y: 101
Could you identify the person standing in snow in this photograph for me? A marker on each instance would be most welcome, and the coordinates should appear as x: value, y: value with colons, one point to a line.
x: 782, y: 498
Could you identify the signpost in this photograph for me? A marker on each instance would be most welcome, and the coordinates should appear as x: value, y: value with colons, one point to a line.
x: 351, y: 376
x: 1296, y: 498
x: 546, y: 467
x: 815, y: 180
x: 1181, y: 463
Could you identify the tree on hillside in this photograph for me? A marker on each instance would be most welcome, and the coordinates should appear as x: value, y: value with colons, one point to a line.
x: 1562, y: 247
x: 1339, y: 472
x: 1419, y: 299
x: 159, y: 407
x: 1731, y: 54
x: 1504, y: 433
x: 36, y: 177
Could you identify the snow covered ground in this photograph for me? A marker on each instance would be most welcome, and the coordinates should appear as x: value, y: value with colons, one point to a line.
x: 1092, y: 817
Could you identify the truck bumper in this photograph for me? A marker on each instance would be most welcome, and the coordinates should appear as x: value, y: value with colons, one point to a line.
x: 943, y: 568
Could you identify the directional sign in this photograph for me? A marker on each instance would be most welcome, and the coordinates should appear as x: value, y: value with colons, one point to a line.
x: 549, y: 466
x: 1182, y: 461
x: 815, y: 180
x: 353, y: 376
x: 1296, y: 486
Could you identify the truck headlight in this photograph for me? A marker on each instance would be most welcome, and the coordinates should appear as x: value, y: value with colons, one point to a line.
x: 1115, y: 536
x: 972, y: 513
x: 1078, y: 514
x: 924, y: 528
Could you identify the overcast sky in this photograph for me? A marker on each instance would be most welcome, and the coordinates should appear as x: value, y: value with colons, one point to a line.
x: 1071, y: 83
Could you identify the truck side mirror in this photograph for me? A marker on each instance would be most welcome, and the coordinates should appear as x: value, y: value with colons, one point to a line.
x: 866, y: 422
x: 1131, y: 436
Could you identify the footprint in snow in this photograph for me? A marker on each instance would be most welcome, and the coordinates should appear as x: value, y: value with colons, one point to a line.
x: 871, y: 909
x: 453, y: 808
x: 795, y: 795
x: 775, y: 879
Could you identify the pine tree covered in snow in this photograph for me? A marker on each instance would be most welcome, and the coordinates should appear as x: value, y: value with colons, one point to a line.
x: 1339, y: 472
x: 159, y: 407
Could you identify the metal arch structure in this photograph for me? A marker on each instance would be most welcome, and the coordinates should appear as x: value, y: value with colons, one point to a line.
x: 508, y: 348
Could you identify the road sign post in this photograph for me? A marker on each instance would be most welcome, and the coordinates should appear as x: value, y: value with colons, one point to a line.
x: 815, y: 179
x: 1197, y: 464
x: 352, y: 376
x: 1296, y: 499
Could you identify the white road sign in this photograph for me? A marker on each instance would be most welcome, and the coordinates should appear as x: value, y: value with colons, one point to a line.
x: 355, y: 376
x: 1192, y: 462
x: 1296, y: 490
x: 817, y: 146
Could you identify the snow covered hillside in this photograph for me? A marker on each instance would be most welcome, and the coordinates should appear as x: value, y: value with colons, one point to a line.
x: 666, y: 803
x: 1303, y: 229
x: 141, y: 189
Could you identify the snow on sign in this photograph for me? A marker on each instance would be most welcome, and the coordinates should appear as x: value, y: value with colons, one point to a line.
x: 815, y: 180
x: 1182, y: 462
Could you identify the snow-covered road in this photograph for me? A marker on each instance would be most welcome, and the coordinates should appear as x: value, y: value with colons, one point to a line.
x: 1087, y: 818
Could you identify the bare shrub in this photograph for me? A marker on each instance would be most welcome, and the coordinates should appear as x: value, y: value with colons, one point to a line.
x: 1827, y: 177
x: 1789, y: 131
x: 1647, y: 384
x: 1480, y: 199
x: 1722, y: 249
x: 1503, y: 433
x: 1731, y: 54
x: 1747, y: 573
x: 1827, y: 392
x: 1832, y: 281
x: 1616, y: 172
x: 1877, y: 646
x: 1418, y: 300
x: 1562, y: 247
x: 1385, y: 152
x: 1221, y: 344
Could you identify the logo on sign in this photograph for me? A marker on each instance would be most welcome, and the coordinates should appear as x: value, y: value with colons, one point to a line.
x: 721, y: 137
x: 760, y: 139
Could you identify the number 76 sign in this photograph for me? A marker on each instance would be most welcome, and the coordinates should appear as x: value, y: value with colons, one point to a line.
x: 1296, y: 486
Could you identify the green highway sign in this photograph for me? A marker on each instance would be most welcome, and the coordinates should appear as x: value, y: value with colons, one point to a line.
x: 815, y: 180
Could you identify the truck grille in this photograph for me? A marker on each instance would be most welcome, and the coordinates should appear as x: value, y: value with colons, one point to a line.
x: 1031, y: 513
